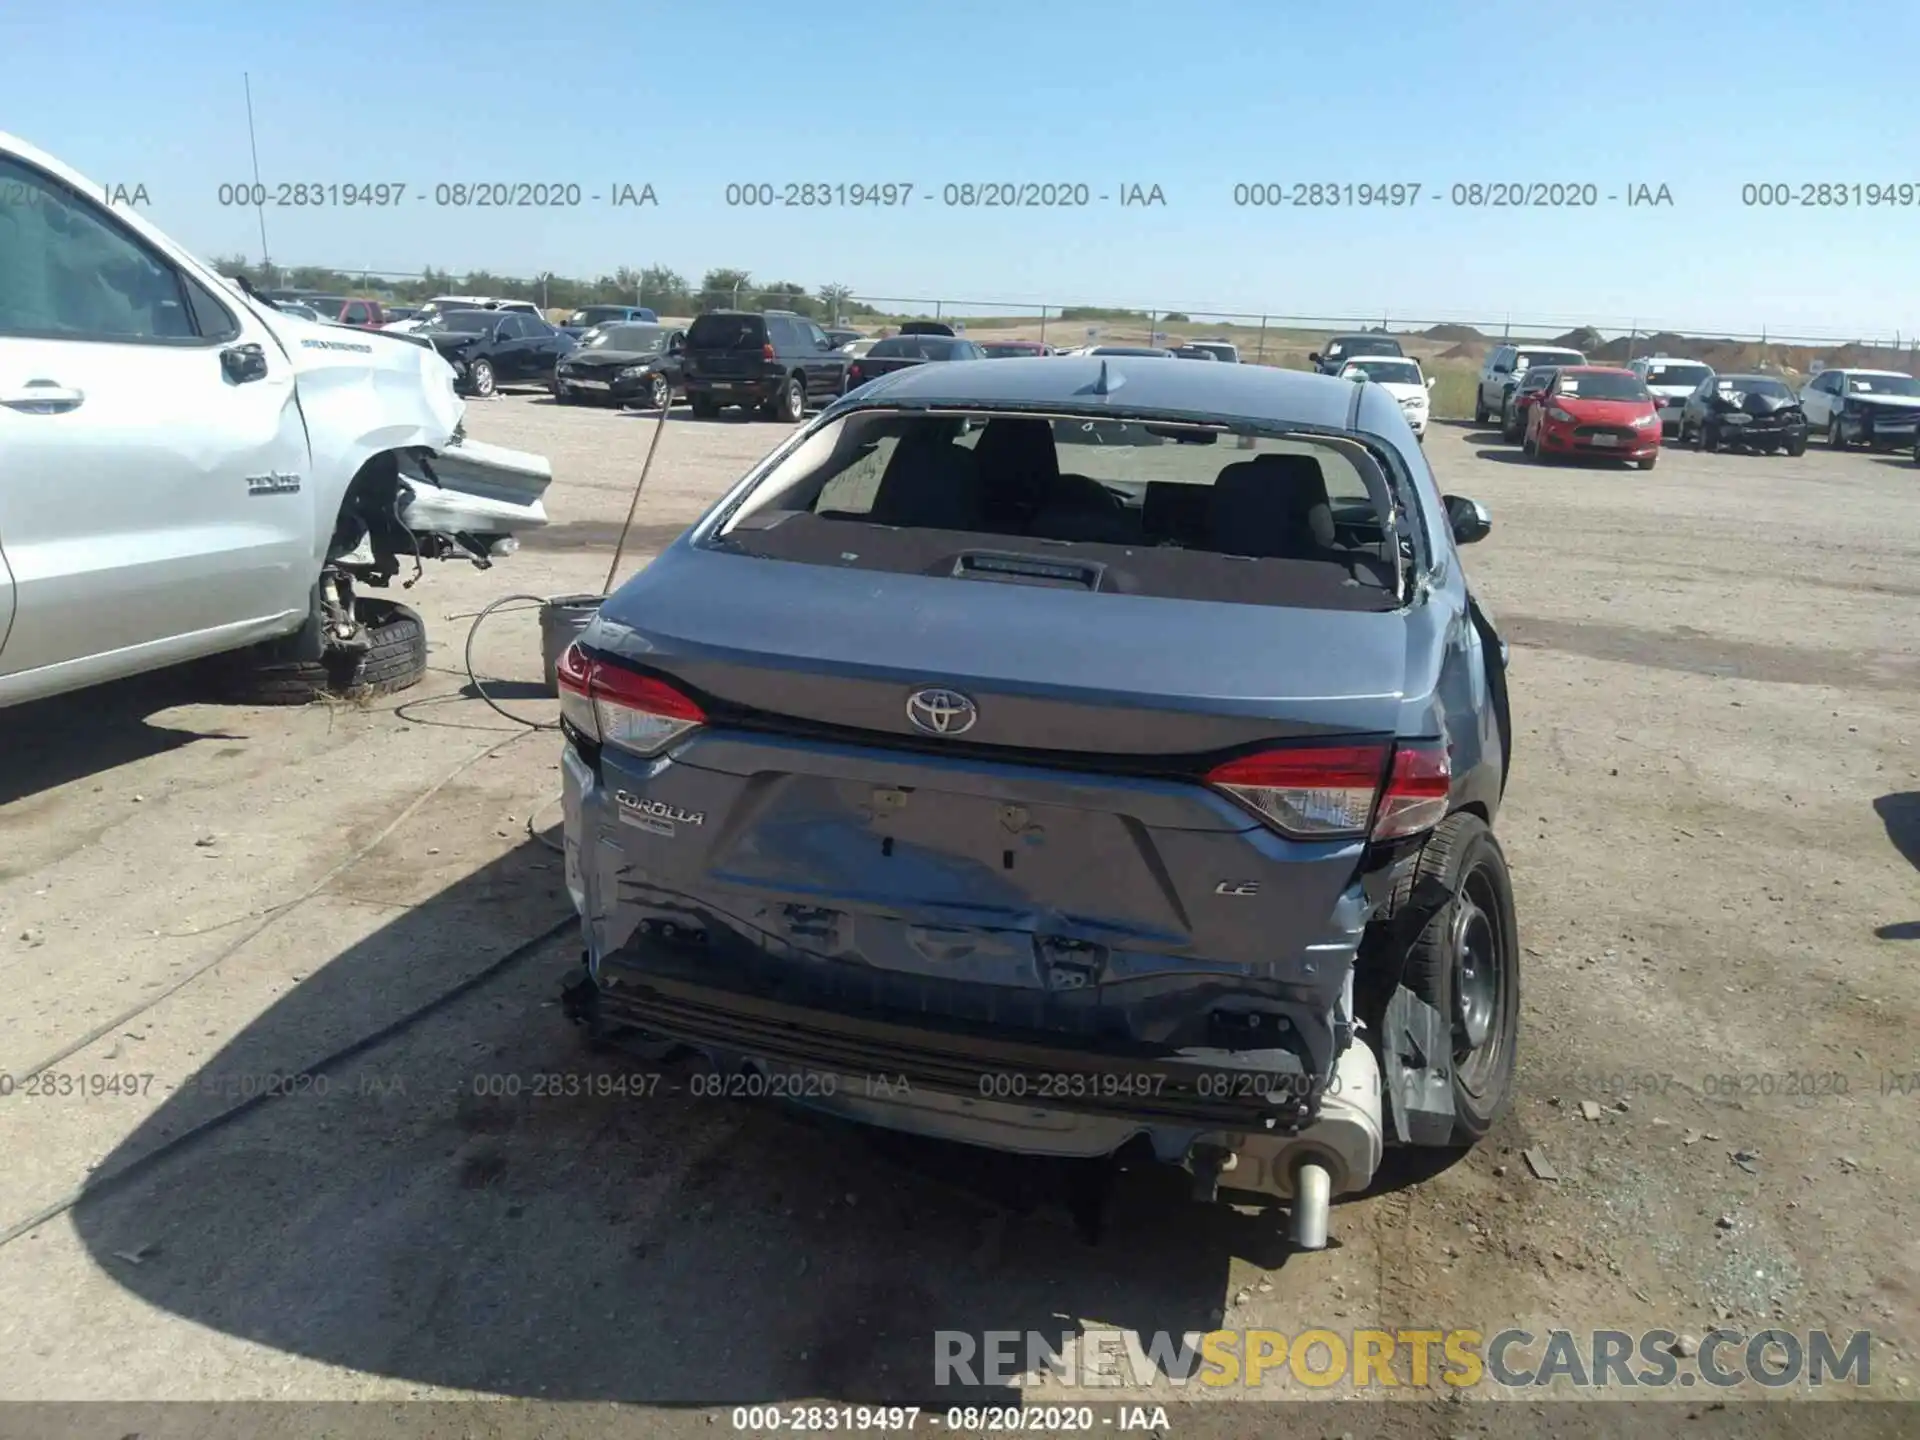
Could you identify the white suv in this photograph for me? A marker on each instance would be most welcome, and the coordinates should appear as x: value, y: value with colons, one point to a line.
x: 1500, y: 376
x: 1866, y: 407
x: 1670, y: 381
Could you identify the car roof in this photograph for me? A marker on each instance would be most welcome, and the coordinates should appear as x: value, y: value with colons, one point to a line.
x: 1851, y: 370
x: 1592, y: 370
x: 1748, y: 375
x: 1261, y: 393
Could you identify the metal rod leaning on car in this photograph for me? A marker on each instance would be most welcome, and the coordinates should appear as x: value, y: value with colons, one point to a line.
x: 620, y: 548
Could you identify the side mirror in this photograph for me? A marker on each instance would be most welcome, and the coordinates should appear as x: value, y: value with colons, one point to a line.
x: 1313, y: 357
x: 1430, y: 380
x: 243, y: 363
x: 1468, y: 518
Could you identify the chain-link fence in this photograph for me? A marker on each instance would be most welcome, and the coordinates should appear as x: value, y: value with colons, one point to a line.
x: 1262, y: 337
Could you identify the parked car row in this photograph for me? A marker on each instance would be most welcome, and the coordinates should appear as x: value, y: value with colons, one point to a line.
x: 1550, y: 401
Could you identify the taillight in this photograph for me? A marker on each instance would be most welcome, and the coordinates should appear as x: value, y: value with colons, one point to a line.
x: 1319, y: 792
x: 766, y: 351
x: 1331, y: 792
x: 613, y: 706
x: 1417, y: 790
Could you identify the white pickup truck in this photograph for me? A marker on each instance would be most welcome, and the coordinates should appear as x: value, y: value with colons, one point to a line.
x: 187, y: 472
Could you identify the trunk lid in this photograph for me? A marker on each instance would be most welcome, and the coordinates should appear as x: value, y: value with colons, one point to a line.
x: 1057, y: 670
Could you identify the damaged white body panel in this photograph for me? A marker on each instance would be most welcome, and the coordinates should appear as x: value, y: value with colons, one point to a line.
x: 186, y: 470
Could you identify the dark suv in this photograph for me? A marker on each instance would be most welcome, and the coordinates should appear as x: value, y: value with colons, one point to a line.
x: 772, y: 360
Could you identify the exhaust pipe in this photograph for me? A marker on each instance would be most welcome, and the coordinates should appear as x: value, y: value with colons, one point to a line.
x: 1312, y: 1203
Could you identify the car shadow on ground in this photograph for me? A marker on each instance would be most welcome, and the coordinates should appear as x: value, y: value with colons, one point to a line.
x: 479, y: 1201
x: 1516, y: 456
x: 50, y: 743
x: 1900, y: 813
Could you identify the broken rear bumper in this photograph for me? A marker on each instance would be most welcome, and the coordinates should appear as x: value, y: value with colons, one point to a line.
x: 1030, y: 1092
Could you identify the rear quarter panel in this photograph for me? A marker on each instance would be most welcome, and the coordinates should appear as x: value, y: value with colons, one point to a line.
x: 1447, y: 691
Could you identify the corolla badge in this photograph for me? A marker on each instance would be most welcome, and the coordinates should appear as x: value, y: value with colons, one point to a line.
x: 941, y: 712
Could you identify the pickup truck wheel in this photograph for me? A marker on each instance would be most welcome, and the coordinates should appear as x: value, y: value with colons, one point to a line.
x: 562, y: 395
x: 1479, y: 408
x: 395, y: 660
x: 480, y: 378
x: 703, y: 407
x: 1835, y: 439
x: 1466, y: 964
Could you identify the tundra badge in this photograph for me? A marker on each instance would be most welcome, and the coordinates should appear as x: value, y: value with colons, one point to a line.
x: 274, y: 482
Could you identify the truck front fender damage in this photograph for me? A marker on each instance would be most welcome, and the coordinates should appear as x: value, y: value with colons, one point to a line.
x: 467, y: 501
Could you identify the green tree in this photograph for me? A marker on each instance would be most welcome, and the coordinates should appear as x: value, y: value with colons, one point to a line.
x: 665, y: 291
x: 721, y: 288
x: 833, y: 300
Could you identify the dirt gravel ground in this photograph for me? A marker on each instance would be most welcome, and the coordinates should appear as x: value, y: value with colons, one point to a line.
x: 1713, y: 820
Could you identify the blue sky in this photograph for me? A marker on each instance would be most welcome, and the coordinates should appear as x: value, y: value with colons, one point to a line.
x: 1194, y: 97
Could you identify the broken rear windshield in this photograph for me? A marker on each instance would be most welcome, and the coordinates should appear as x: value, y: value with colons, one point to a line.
x: 1101, y: 504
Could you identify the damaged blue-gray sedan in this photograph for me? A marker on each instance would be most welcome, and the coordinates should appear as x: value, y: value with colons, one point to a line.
x: 1073, y: 756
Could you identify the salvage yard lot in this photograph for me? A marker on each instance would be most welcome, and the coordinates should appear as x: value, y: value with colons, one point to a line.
x: 1713, y: 823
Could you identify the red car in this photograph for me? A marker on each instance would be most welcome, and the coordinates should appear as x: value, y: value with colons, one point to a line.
x: 1595, y: 410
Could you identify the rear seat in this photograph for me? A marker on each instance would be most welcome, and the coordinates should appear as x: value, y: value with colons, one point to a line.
x: 1178, y: 513
x: 1274, y: 507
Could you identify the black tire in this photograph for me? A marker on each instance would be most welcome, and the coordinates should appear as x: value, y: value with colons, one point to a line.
x: 790, y: 405
x: 659, y: 393
x: 395, y: 661
x: 704, y: 407
x: 563, y: 396
x: 480, y: 378
x: 1835, y: 440
x: 1646, y: 464
x: 1479, y: 407
x: 1474, y: 930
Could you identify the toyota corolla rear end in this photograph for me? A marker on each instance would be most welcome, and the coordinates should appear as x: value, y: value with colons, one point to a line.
x: 1017, y: 780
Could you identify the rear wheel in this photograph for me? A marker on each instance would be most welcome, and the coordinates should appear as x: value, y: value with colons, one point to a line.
x: 791, y: 403
x: 704, y: 407
x: 1479, y: 407
x: 1466, y: 964
x: 394, y: 659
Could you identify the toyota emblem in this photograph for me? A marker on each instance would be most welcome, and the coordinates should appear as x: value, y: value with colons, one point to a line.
x: 941, y: 712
